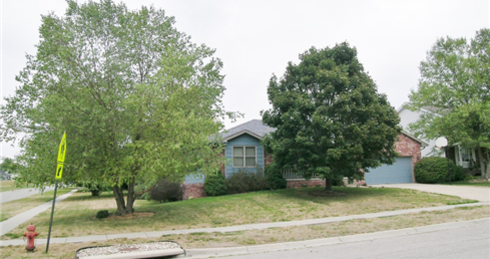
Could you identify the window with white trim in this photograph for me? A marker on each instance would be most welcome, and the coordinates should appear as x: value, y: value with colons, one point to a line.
x: 244, y: 156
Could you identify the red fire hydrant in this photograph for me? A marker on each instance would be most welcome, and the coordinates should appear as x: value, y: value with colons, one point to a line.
x: 31, y: 234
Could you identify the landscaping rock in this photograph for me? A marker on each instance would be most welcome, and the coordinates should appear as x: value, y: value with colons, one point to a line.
x: 145, y: 250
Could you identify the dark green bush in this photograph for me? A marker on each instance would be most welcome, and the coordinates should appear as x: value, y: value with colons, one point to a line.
x: 434, y: 170
x: 102, y: 214
x: 274, y: 178
x: 246, y: 181
x: 166, y: 191
x: 215, y: 185
x: 94, y: 188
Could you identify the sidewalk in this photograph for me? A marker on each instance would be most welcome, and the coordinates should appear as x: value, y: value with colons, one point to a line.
x: 240, y: 227
x: 13, y: 222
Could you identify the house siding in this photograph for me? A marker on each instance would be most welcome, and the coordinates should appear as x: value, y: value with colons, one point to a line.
x: 193, y: 185
x: 243, y: 140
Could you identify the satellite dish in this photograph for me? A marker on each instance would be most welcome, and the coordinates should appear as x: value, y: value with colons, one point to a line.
x: 441, y: 142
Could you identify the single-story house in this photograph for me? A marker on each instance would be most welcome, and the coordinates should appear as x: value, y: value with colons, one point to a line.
x: 243, y: 151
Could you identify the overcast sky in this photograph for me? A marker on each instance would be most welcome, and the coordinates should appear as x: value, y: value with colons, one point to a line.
x: 256, y: 39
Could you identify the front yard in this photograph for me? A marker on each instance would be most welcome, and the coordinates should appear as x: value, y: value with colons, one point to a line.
x: 75, y: 215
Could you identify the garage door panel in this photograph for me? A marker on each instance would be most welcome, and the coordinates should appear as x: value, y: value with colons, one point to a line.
x: 398, y: 172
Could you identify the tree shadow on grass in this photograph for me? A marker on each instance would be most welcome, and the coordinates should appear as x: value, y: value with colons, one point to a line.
x: 88, y: 196
x: 348, y: 194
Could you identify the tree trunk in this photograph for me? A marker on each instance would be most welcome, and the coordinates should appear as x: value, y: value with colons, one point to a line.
x: 328, y: 184
x: 487, y: 173
x: 131, y: 197
x: 484, y: 171
x: 119, y: 196
x: 95, y: 192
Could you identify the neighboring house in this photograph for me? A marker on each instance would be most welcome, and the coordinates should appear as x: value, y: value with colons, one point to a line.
x: 464, y: 157
x: 4, y: 175
x: 244, y: 151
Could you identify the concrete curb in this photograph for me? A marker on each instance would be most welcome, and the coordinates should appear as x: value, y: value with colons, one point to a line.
x: 241, y: 227
x: 143, y: 254
x: 229, y: 251
x: 13, y: 222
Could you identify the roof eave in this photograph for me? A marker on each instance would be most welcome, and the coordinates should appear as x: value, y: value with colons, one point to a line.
x: 237, y: 134
x: 425, y: 144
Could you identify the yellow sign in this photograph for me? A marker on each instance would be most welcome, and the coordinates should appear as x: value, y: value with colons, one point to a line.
x: 59, y: 171
x: 62, y: 151
x: 61, y: 157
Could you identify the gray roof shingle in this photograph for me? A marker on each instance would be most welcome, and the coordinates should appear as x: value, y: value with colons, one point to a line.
x: 256, y: 127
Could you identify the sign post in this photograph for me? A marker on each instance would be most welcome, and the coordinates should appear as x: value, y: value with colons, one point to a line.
x: 59, y: 173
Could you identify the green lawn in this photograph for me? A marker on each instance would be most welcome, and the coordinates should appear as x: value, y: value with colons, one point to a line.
x: 76, y: 213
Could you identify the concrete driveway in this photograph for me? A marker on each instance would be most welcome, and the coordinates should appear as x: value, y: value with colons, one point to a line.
x: 468, y: 192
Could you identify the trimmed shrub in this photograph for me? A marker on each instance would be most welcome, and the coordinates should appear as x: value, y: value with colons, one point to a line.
x: 215, y: 185
x: 246, y: 181
x: 338, y: 181
x: 274, y: 178
x: 102, y: 214
x: 166, y: 192
x: 434, y: 170
x: 457, y: 172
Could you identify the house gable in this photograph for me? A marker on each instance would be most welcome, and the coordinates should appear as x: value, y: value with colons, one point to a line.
x: 254, y: 128
x: 243, y: 140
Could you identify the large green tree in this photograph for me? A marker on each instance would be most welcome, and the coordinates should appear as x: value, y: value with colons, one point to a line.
x: 137, y: 99
x: 455, y: 81
x: 330, y: 119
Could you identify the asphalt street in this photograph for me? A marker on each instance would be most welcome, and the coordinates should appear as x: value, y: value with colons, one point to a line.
x: 20, y: 194
x: 467, y: 242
